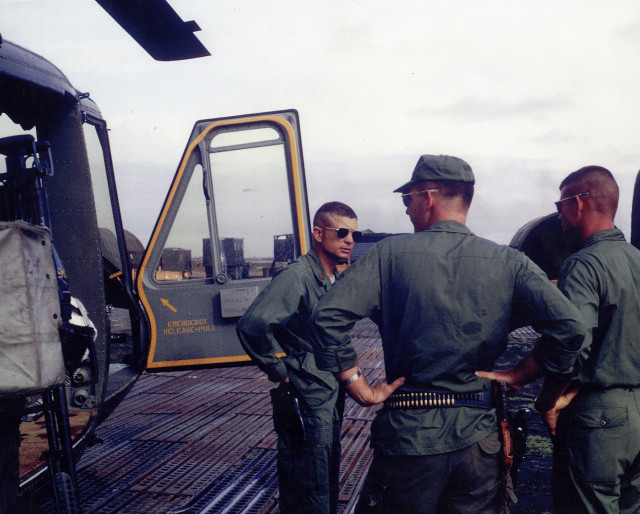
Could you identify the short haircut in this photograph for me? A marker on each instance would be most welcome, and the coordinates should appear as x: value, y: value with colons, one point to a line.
x: 451, y: 189
x: 599, y: 182
x: 324, y: 213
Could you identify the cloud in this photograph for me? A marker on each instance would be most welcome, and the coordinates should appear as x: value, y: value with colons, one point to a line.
x: 526, y: 92
x: 485, y: 110
x: 555, y: 136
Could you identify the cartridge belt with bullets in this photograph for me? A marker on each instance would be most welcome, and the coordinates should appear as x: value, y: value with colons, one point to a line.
x: 431, y: 399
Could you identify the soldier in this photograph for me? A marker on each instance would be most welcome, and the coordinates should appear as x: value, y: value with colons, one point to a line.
x: 595, y: 419
x: 307, y: 405
x: 444, y: 301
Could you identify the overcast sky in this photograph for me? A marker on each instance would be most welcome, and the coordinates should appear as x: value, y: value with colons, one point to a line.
x: 526, y: 92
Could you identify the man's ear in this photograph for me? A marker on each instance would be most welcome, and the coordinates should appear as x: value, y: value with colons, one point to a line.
x: 317, y: 234
x: 580, y: 206
x: 430, y: 199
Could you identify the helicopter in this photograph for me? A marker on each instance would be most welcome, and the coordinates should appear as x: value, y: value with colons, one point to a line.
x: 209, y: 255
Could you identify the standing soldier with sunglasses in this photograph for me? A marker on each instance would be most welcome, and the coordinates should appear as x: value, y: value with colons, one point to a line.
x: 594, y: 419
x: 445, y: 301
x: 308, y: 403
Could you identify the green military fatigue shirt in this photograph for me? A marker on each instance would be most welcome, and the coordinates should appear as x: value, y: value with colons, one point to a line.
x: 602, y: 279
x: 279, y: 316
x: 445, y: 301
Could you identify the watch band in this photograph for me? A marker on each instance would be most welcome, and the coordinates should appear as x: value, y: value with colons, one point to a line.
x: 352, y: 378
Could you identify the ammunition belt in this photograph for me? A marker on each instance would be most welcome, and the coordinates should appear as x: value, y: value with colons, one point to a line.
x: 430, y: 399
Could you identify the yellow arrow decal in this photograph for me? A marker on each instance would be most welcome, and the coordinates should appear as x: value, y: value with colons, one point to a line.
x: 167, y: 304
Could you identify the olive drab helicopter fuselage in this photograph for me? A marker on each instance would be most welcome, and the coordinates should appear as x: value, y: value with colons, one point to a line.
x: 236, y: 212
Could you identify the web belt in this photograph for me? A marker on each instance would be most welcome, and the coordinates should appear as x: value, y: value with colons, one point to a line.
x: 430, y: 399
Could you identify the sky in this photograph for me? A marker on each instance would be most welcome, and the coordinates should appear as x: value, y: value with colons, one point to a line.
x: 525, y: 92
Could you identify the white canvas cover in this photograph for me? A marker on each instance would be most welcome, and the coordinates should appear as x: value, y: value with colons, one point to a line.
x: 30, y: 350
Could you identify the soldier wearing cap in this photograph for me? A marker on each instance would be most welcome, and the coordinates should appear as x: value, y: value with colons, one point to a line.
x: 444, y: 300
x: 307, y: 404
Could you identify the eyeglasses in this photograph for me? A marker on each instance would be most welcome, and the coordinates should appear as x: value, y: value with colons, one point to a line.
x: 344, y: 232
x: 559, y: 202
x: 406, y: 197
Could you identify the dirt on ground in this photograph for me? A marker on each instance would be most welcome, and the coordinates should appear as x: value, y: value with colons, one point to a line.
x: 34, y: 442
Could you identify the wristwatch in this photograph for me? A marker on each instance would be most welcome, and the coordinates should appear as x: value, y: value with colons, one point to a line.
x: 352, y: 378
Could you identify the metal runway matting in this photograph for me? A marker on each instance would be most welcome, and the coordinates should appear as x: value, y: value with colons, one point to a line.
x: 203, y: 441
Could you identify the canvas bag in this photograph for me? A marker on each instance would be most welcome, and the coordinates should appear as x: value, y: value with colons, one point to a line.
x: 30, y: 350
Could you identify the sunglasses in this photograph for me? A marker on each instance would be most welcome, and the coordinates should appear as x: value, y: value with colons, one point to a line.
x: 344, y: 232
x: 559, y: 202
x: 406, y: 197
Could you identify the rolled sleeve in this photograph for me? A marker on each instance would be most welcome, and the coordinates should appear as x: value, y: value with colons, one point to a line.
x: 336, y: 358
x: 555, y: 359
x: 551, y: 314
x: 273, y: 307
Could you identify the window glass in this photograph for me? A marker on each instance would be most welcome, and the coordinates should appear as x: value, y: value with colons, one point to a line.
x: 188, y: 241
x: 104, y: 211
x: 250, y: 207
x: 7, y: 129
x: 252, y: 202
x: 245, y: 138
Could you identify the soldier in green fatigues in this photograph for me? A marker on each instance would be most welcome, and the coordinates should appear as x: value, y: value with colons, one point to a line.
x: 308, y: 404
x: 594, y: 419
x: 444, y: 301
x: 597, y: 436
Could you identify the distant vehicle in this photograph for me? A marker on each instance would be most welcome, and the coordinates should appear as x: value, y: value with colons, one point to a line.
x: 240, y: 183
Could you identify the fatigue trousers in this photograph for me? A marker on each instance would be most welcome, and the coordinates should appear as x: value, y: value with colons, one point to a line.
x: 463, y: 481
x: 596, y: 461
x: 309, y: 469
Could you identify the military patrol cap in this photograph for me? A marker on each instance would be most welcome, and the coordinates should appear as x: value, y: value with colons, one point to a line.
x: 439, y: 167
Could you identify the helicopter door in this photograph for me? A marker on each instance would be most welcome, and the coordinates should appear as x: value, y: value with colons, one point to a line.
x: 236, y: 213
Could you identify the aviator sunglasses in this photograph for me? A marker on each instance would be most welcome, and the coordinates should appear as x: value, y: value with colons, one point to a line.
x: 406, y: 197
x: 559, y: 202
x: 344, y: 232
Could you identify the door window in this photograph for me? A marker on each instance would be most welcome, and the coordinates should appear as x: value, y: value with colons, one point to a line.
x: 183, y: 253
x: 252, y: 204
x: 251, y: 208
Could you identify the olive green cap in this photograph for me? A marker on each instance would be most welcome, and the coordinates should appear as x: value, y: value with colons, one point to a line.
x: 439, y: 167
